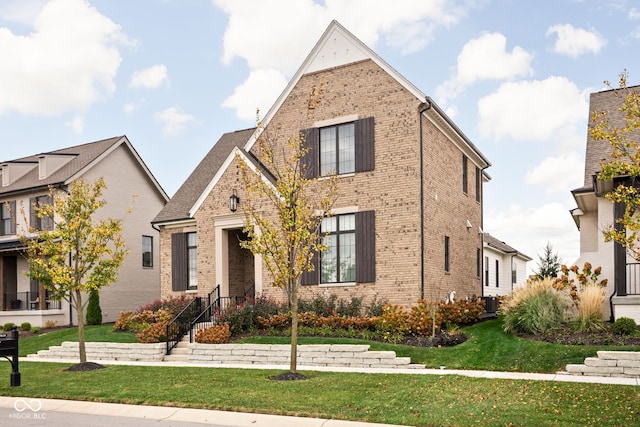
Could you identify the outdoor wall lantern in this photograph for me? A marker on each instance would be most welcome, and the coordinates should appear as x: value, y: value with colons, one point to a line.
x: 233, y: 201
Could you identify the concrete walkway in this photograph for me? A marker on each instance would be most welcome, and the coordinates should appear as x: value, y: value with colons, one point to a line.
x: 235, y: 419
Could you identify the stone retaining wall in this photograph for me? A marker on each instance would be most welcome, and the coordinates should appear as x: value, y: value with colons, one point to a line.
x: 309, y: 355
x: 609, y: 364
x: 107, y: 351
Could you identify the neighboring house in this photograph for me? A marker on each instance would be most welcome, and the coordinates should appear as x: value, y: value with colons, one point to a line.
x: 505, y: 268
x: 407, y: 221
x: 595, y: 213
x: 27, y: 180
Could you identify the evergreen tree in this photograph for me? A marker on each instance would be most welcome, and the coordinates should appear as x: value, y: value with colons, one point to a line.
x: 548, y: 263
x: 94, y: 312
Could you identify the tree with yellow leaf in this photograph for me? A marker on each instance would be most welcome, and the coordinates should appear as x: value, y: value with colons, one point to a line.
x: 284, y: 214
x: 79, y: 255
x: 622, y: 168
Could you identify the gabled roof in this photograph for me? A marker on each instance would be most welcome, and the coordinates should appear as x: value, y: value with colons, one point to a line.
x: 77, y: 160
x: 599, y: 151
x: 501, y: 246
x: 337, y: 46
x: 194, y: 187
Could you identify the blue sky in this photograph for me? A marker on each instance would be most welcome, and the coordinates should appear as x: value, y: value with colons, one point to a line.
x: 173, y: 75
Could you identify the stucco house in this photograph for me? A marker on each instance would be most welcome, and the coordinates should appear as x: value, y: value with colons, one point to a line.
x: 407, y: 222
x: 27, y: 180
x: 505, y: 268
x: 594, y: 213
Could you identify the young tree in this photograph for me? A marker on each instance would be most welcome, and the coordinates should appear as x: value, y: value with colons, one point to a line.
x: 623, y: 166
x: 79, y: 255
x: 284, y: 215
x: 548, y: 263
x: 94, y: 312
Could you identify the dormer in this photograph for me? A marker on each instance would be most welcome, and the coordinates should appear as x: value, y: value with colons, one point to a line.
x: 49, y: 163
x: 13, y: 171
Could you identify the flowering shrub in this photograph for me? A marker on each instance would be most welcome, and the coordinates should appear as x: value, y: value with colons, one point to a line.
x: 588, y: 294
x: 393, y: 323
x: 156, y: 332
x: 122, y: 324
x: 141, y: 321
x: 278, y: 321
x: 421, y: 318
x: 172, y: 305
x: 461, y: 312
x: 217, y: 334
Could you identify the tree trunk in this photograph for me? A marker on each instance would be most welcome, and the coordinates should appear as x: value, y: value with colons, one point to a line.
x: 80, y: 318
x: 294, y: 327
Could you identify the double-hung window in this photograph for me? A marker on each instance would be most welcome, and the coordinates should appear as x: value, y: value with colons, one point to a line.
x: 338, y: 261
x: 192, y: 251
x: 7, y: 224
x: 337, y: 150
x: 39, y: 221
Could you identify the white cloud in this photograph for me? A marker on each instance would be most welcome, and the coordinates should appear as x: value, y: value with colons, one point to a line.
x: 173, y: 120
x: 485, y: 58
x: 528, y: 229
x: 76, y: 124
x: 558, y: 174
x: 574, y: 42
x: 634, y: 14
x: 129, y: 107
x: 534, y: 110
x: 408, y: 28
x: 150, y: 78
x: 21, y: 11
x: 68, y: 62
x: 259, y: 91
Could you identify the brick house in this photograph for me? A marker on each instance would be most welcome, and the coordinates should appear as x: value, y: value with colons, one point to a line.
x: 407, y: 222
x: 594, y: 213
x: 27, y: 180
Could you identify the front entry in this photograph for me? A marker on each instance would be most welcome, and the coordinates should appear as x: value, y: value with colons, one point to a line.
x: 241, y: 265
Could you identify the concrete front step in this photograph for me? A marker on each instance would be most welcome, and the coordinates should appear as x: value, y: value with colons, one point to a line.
x: 625, y: 364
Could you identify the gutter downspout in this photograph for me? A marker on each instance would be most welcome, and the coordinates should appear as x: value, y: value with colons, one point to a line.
x: 424, y: 106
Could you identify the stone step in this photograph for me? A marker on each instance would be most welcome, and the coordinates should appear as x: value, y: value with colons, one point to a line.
x: 624, y: 364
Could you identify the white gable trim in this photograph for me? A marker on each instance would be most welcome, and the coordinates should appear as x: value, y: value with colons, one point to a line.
x: 214, y: 181
x: 336, y: 47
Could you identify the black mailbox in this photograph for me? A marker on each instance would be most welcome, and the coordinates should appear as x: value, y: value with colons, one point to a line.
x: 9, y: 350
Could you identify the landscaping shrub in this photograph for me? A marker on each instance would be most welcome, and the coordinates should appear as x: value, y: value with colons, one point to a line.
x: 217, y: 334
x: 25, y: 326
x: 462, y: 312
x: 320, y: 304
x: 172, y: 305
x: 352, y: 308
x: 244, y: 317
x: 50, y: 324
x: 122, y: 324
x: 393, y: 324
x: 154, y: 333
x: 7, y: 326
x: 35, y: 330
x: 625, y: 326
x: 535, y: 308
x: 375, y: 307
x: 94, y: 312
x: 422, y: 316
x: 590, y: 308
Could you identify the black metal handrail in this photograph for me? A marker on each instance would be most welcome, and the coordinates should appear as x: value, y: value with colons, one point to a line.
x: 211, y: 313
x: 180, y: 325
x: 27, y: 301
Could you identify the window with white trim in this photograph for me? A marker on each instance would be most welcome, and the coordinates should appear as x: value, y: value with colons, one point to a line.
x: 338, y: 261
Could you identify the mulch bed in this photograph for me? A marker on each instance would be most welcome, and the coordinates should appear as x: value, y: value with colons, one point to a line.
x: 83, y: 367
x: 567, y: 336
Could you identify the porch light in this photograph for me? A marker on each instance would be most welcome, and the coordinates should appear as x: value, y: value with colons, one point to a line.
x: 233, y: 201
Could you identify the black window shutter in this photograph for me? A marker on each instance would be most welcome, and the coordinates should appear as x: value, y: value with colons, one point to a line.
x: 12, y: 221
x: 364, y: 131
x: 33, y: 218
x: 179, y: 262
x: 311, y: 160
x: 365, y: 247
x: 47, y: 221
x: 311, y: 277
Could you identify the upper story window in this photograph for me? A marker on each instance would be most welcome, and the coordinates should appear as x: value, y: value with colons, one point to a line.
x: 192, y: 252
x: 39, y: 222
x: 339, y: 149
x: 7, y: 223
x: 465, y: 170
x: 338, y: 261
x: 478, y: 184
x: 147, y: 251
